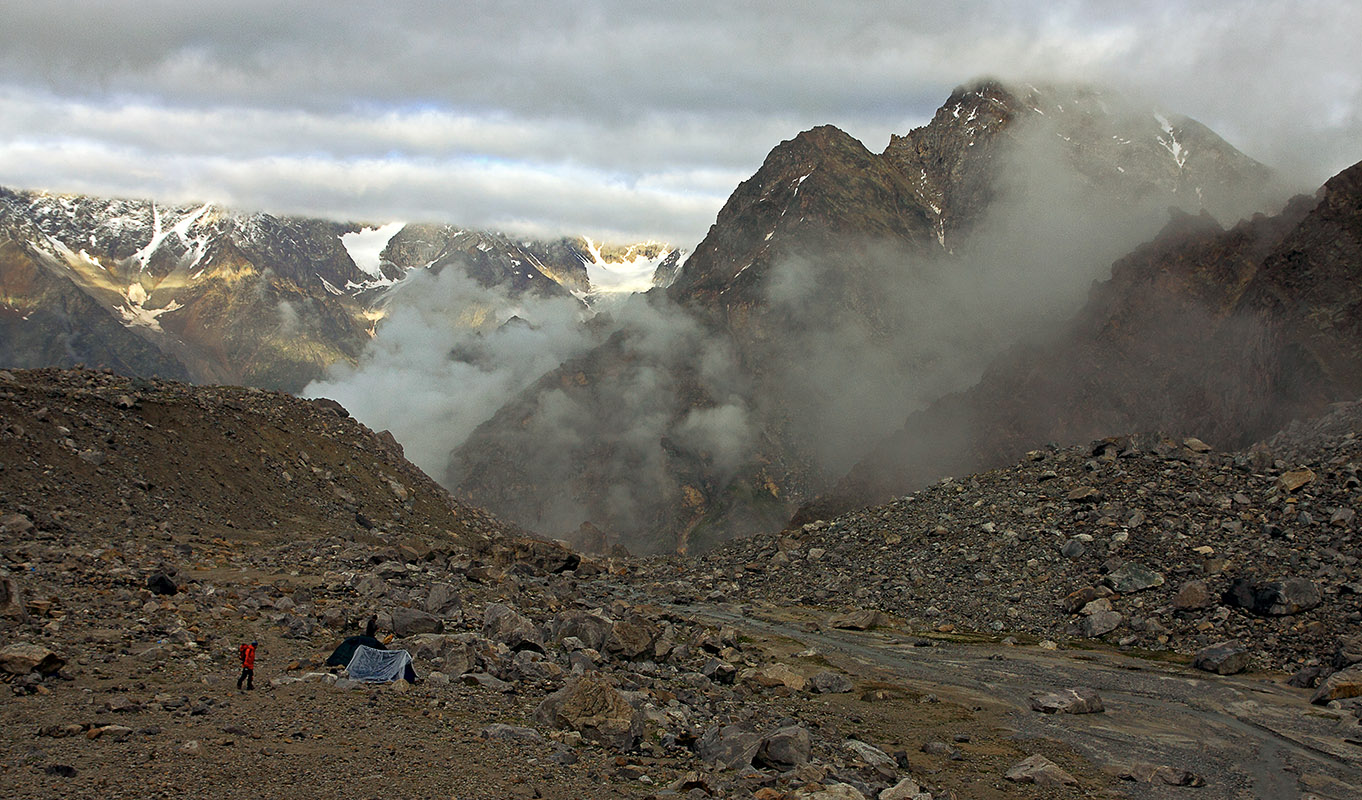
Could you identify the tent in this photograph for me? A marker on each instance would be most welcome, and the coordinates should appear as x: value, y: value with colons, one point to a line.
x: 342, y: 655
x: 380, y: 666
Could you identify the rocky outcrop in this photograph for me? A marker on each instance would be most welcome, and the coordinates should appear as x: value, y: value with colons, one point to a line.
x: 1223, y: 334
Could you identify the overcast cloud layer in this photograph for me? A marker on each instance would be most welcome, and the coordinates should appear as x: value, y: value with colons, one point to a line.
x: 623, y: 119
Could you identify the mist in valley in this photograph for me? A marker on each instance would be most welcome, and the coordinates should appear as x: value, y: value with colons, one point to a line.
x: 663, y: 403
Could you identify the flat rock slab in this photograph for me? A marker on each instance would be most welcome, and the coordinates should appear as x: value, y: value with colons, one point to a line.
x: 1041, y: 771
x: 1079, y: 700
x: 1162, y: 774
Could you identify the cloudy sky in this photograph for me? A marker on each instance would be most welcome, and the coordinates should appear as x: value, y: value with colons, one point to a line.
x: 625, y: 119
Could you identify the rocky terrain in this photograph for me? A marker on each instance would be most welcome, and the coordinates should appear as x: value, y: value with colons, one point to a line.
x: 148, y: 528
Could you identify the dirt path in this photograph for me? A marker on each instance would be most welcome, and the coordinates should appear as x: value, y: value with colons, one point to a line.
x: 1248, y: 736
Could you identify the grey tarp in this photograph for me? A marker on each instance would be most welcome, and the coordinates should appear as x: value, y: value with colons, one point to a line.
x: 380, y: 666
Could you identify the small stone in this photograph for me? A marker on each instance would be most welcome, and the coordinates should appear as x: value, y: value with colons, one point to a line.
x: 1295, y: 479
x: 1132, y: 577
x: 1193, y: 595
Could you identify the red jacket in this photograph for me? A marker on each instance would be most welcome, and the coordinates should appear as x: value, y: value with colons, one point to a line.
x: 247, y: 652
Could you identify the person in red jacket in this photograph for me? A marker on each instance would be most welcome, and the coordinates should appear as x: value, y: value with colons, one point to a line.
x: 247, y: 653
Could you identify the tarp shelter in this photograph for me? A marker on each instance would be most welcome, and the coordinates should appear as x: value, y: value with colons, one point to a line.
x: 380, y: 666
x: 342, y: 655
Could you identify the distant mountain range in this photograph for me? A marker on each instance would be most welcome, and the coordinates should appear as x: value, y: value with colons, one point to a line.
x: 209, y: 295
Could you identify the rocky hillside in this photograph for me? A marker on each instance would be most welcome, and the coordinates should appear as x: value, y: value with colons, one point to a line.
x: 1224, y: 334
x: 211, y: 295
x: 1148, y: 541
x: 899, y: 274
x: 148, y: 528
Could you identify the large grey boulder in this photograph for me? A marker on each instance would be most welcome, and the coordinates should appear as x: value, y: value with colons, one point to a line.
x: 590, y: 629
x: 729, y: 746
x: 502, y: 624
x: 412, y: 621
x: 591, y: 706
x: 784, y: 748
x: 1222, y: 658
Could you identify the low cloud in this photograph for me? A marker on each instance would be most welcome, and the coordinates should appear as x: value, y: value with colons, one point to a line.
x: 651, y: 113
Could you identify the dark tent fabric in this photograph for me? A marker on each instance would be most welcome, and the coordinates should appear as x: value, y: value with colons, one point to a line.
x: 341, y: 655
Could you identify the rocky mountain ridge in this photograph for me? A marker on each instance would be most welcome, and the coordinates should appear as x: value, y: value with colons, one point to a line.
x: 208, y: 294
x: 897, y: 273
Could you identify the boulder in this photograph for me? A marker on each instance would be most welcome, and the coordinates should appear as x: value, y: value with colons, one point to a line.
x: 906, y: 789
x: 784, y: 748
x: 498, y: 730
x: 1100, y: 623
x: 778, y: 675
x: 16, y: 524
x: 729, y: 746
x: 591, y: 706
x: 1295, y: 479
x: 500, y: 623
x: 631, y: 638
x: 412, y: 621
x: 1290, y: 596
x: 1132, y: 577
x: 1222, y: 658
x: 23, y: 658
x: 1274, y: 599
x: 1079, y: 700
x: 874, y: 757
x: 836, y: 791
x: 1041, y: 771
x: 442, y: 599
x: 1339, y: 686
x: 1073, y: 602
x: 591, y: 629
x: 1348, y: 651
x: 162, y: 584
x: 826, y: 682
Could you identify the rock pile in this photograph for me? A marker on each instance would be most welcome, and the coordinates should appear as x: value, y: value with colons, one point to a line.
x: 1140, y: 541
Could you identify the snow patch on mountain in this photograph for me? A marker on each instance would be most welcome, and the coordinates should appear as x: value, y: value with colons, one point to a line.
x: 365, y: 246
x: 632, y: 273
